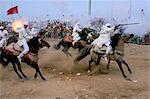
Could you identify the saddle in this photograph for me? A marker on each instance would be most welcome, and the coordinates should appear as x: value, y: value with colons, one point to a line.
x: 83, y: 43
x: 102, y: 50
x: 15, y: 50
x: 68, y: 38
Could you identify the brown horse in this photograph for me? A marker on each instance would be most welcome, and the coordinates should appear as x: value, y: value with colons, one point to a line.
x: 66, y: 42
x: 9, y: 54
x: 117, y: 54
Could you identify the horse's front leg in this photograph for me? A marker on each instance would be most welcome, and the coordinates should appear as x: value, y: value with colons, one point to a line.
x: 38, y: 71
x: 35, y: 76
x: 59, y: 44
x: 65, y: 50
x: 98, y: 60
x: 108, y: 64
x: 127, y: 66
x: 120, y: 66
x: 90, y: 61
x: 19, y: 68
x: 15, y: 69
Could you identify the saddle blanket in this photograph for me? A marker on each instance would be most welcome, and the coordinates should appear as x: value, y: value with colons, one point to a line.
x: 16, y: 50
x: 102, y: 50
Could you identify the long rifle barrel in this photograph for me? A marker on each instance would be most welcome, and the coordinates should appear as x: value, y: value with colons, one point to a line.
x: 128, y: 24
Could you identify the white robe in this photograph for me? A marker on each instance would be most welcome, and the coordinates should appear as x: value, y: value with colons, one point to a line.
x: 104, y: 37
x: 3, y: 37
x: 24, y: 36
x: 75, y: 34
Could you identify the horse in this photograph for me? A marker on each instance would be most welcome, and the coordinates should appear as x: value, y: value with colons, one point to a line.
x: 66, y: 42
x: 9, y: 54
x: 116, y: 54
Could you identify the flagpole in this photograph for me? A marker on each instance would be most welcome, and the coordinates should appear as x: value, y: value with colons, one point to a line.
x: 89, y: 7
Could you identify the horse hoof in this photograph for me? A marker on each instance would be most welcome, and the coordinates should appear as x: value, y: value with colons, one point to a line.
x: 103, y: 72
x: 34, y: 78
x: 21, y: 80
x: 130, y: 72
x: 26, y: 78
x: 108, y: 68
x: 89, y: 71
x: 44, y: 79
x: 90, y: 74
x: 126, y: 78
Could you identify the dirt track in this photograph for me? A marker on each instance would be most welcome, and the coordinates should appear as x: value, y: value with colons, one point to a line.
x: 71, y: 86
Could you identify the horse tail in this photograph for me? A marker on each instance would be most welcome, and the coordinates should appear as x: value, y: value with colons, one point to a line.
x: 83, y: 53
x: 3, y: 62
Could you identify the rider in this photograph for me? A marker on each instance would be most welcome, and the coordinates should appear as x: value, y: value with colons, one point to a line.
x: 75, y: 34
x: 24, y: 36
x: 34, y: 31
x: 105, y: 38
x: 3, y: 36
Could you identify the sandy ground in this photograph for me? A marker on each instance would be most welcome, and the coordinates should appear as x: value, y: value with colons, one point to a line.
x: 69, y: 81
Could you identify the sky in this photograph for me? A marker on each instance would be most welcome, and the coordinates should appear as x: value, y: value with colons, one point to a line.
x: 122, y: 11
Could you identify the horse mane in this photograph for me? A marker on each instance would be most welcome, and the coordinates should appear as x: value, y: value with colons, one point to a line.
x: 122, y: 40
x: 114, y: 40
x: 34, y: 45
x: 11, y: 39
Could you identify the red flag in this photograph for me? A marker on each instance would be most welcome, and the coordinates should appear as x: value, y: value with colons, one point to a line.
x: 13, y: 10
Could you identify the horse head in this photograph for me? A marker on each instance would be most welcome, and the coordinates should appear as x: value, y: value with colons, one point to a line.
x: 36, y: 43
x: 43, y: 43
x: 127, y: 37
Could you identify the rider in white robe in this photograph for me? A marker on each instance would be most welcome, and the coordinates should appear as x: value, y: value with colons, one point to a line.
x: 105, y: 38
x: 75, y: 34
x: 3, y: 36
x: 24, y: 36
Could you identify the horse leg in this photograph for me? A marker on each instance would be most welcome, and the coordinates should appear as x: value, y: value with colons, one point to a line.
x: 59, y: 44
x: 98, y: 60
x: 120, y: 66
x: 38, y: 71
x: 80, y: 47
x: 35, y: 76
x: 65, y: 50
x: 108, y: 64
x: 15, y: 69
x: 19, y: 67
x: 127, y: 66
x: 90, y: 61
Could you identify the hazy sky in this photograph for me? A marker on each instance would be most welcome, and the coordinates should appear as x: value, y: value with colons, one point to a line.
x: 120, y: 10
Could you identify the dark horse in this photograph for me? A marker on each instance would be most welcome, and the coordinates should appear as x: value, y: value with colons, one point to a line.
x: 31, y: 58
x: 66, y: 42
x: 116, y: 55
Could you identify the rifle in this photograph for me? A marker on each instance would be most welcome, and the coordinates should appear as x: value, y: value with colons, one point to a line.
x: 125, y: 25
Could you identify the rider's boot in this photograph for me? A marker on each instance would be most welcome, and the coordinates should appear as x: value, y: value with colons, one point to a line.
x: 20, y: 56
x: 73, y: 43
x: 109, y: 48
